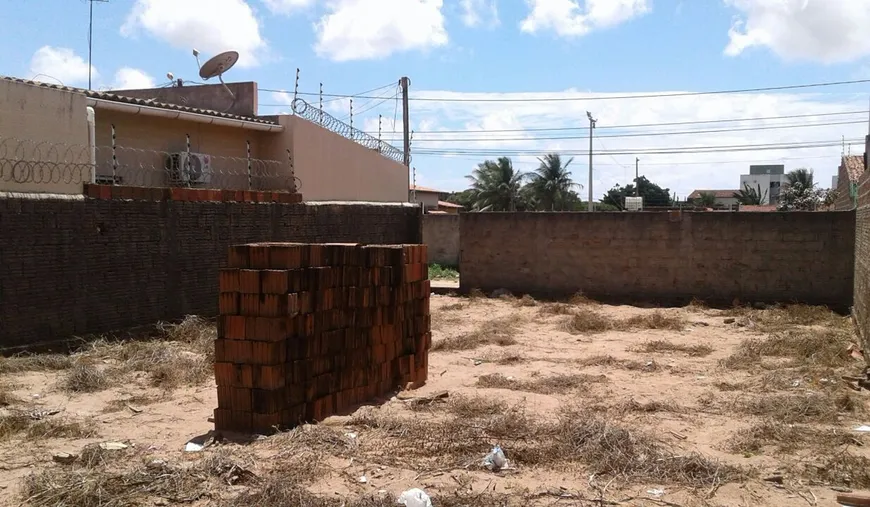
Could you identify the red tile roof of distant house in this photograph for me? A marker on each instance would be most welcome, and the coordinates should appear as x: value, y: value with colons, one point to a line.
x: 720, y: 194
x: 764, y: 207
x: 445, y: 204
x: 854, y: 165
x: 418, y: 188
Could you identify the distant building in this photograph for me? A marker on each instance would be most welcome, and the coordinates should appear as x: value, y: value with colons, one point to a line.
x: 770, y: 178
x: 850, y: 170
x: 431, y: 199
x: 724, y: 198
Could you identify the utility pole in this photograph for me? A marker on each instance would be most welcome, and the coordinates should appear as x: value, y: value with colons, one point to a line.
x: 404, y: 83
x: 591, y: 206
x: 636, y: 177
x: 91, y: 35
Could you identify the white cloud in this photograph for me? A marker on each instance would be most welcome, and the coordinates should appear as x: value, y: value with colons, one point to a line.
x: 459, y: 152
x: 211, y: 26
x: 816, y: 30
x: 371, y: 29
x: 566, y: 18
x: 128, y: 78
x: 476, y: 12
x: 61, y: 64
x: 287, y: 6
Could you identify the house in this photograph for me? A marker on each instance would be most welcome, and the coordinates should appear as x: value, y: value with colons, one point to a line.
x: 850, y: 170
x: 769, y: 178
x: 724, y: 198
x: 58, y: 138
x: 449, y: 207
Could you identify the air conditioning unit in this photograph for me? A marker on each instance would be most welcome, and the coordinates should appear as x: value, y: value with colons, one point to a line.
x: 189, y: 169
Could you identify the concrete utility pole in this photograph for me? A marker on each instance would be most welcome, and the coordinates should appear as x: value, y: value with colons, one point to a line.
x: 636, y: 177
x: 405, y: 83
x: 91, y: 35
x: 591, y: 206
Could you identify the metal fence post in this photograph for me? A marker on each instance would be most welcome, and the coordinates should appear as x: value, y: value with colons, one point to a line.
x: 114, y: 158
x: 187, y: 162
x: 292, y: 171
x: 248, y: 148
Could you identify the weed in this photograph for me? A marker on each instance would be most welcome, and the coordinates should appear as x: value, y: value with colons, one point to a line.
x: 649, y: 407
x: 439, y: 272
x: 526, y: 301
x: 662, y: 346
x: 825, y: 347
x: 654, y: 320
x: 580, y: 299
x: 779, y: 318
x: 555, y: 309
x: 453, y: 307
x: 588, y: 321
x: 470, y: 407
x: 800, y: 407
x: 612, y: 362
x: 842, y: 469
x: 18, y: 424
x: 133, y: 401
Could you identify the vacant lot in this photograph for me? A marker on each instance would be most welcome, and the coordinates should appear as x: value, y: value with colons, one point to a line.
x: 592, y: 404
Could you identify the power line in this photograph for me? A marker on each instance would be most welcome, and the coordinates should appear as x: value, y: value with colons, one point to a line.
x: 613, y: 97
x: 639, y: 125
x: 643, y: 134
x: 360, y: 95
x: 653, y: 151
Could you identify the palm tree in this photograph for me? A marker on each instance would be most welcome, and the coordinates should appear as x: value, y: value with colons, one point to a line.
x: 802, y: 177
x: 551, y: 182
x: 496, y: 185
x: 707, y: 199
x: 749, y: 196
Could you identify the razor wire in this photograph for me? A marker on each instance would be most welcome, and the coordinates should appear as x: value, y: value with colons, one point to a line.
x: 31, y: 162
x: 329, y: 122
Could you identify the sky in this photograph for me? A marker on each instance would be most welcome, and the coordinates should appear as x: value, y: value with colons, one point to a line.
x: 514, y: 78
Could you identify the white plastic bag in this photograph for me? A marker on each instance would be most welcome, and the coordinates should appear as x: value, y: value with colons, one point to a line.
x: 415, y: 498
x: 495, y: 460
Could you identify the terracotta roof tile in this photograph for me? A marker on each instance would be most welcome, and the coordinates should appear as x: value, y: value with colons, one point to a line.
x: 114, y: 97
x: 418, y: 188
x: 763, y: 207
x: 445, y: 204
x: 720, y: 194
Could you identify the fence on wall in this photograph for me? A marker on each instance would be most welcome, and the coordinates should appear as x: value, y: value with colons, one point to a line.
x: 32, y: 162
x: 333, y: 124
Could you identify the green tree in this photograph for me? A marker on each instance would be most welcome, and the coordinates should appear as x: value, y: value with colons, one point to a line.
x: 653, y: 195
x: 803, y: 177
x: 495, y: 186
x: 464, y: 198
x: 551, y: 183
x: 749, y: 196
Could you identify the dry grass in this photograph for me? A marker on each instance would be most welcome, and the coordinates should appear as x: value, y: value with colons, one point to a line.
x: 842, y: 469
x: 807, y: 407
x: 779, y: 318
x: 575, y: 438
x: 586, y: 321
x: 557, y: 384
x: 580, y: 299
x: 612, y: 362
x: 36, y: 362
x: 649, y: 407
x: 499, y: 331
x: 786, y: 438
x: 526, y: 301
x: 555, y: 309
x: 453, y: 307
x: 132, y: 401
x: 470, y: 407
x: 697, y: 305
x: 817, y: 347
x: 25, y: 426
x: 6, y: 396
x: 85, y: 378
x: 662, y: 346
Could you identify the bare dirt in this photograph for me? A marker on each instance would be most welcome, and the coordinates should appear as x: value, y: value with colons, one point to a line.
x: 592, y: 404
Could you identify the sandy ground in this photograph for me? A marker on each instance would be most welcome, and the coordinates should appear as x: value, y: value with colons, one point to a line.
x: 678, y: 395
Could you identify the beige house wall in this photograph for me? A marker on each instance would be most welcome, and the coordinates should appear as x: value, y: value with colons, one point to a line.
x: 428, y: 199
x: 45, y: 125
x: 334, y: 168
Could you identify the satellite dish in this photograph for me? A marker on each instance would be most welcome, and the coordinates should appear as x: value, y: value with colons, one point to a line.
x: 218, y: 64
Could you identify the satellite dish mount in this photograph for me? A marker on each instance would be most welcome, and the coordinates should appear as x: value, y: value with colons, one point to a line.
x: 216, y: 66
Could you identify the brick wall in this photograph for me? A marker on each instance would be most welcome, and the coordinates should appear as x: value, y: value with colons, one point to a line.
x: 663, y: 256
x: 441, y: 235
x: 861, y: 308
x: 72, y: 267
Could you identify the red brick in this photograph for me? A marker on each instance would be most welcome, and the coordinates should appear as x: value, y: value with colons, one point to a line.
x: 268, y: 353
x: 274, y: 281
x: 231, y: 327
x: 238, y: 257
x: 249, y: 281
x: 228, y: 303
x: 249, y: 305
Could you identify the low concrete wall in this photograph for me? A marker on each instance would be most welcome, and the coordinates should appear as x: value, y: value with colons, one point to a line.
x: 664, y: 257
x: 441, y: 235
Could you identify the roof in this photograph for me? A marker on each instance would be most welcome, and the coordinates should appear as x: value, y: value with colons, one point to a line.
x: 445, y: 204
x: 751, y: 207
x: 418, y: 188
x: 720, y: 194
x: 854, y: 166
x: 114, y: 97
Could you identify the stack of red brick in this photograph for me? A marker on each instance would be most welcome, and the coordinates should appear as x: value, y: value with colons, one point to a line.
x: 310, y: 330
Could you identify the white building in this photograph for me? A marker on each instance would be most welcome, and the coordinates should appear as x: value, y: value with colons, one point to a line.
x: 771, y: 178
